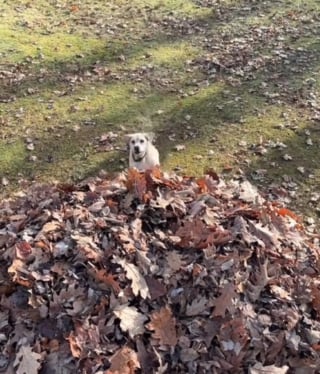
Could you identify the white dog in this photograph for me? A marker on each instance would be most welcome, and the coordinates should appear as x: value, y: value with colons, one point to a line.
x: 143, y: 154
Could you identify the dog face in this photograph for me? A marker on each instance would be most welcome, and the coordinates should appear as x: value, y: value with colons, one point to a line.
x: 138, y: 144
x: 143, y: 154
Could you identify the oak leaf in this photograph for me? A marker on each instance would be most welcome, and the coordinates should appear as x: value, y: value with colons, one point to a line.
x: 50, y: 226
x: 164, y: 326
x: 234, y: 336
x: 139, y: 284
x: 261, y: 280
x: 195, y: 234
x: 136, y: 183
x: 106, y: 278
x: 27, y: 361
x: 258, y: 368
x: 130, y: 320
x: 224, y: 301
x: 197, y: 306
x: 124, y: 361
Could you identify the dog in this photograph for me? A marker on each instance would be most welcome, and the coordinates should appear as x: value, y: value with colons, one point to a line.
x: 143, y: 155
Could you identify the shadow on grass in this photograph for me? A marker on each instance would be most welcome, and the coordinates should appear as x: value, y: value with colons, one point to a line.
x: 160, y: 27
x: 212, y: 109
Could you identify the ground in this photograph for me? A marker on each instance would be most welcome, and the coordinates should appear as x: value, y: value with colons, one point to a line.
x: 228, y: 85
x: 159, y: 272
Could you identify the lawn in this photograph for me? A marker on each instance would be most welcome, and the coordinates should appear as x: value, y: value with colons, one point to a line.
x: 233, y: 83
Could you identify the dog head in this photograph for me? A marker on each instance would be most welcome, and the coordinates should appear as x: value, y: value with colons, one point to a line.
x: 138, y: 145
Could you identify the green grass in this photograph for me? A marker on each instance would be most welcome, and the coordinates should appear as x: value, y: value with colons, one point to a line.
x: 211, y: 78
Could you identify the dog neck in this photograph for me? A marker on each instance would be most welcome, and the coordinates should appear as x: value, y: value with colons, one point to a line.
x: 138, y: 158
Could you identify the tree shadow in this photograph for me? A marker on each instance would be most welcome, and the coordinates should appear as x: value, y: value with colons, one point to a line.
x: 242, y: 78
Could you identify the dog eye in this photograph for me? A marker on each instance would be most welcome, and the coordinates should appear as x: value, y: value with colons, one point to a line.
x: 132, y: 141
x: 141, y: 140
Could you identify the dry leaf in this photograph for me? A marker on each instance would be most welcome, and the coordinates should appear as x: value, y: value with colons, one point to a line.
x: 50, y: 226
x: 224, y: 301
x: 260, y: 282
x: 280, y: 292
x: 258, y: 368
x: 249, y: 193
x: 197, y: 306
x: 147, y: 359
x: 108, y: 279
x: 130, y: 320
x: 124, y: 361
x: 139, y: 285
x: 164, y: 326
x: 174, y: 261
x: 23, y: 250
x: 180, y: 147
x: 27, y: 361
x: 136, y: 183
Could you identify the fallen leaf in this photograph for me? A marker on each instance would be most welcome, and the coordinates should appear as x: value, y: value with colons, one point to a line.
x: 164, y: 326
x: 179, y: 147
x: 27, y: 361
x: 4, y: 181
x: 197, y: 306
x: 130, y: 320
x: 136, y: 183
x: 224, y: 301
x: 124, y: 361
x: 139, y: 285
x: 258, y: 368
x: 23, y: 250
x: 261, y: 280
x: 106, y: 278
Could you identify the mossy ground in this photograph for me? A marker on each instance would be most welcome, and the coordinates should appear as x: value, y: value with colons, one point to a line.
x: 72, y: 71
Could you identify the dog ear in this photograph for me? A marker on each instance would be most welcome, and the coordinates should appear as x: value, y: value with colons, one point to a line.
x: 150, y: 136
x: 128, y: 137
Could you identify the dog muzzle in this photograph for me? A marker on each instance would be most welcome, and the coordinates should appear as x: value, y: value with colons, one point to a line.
x: 138, y: 157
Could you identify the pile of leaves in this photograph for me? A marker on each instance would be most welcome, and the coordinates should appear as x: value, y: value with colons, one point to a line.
x: 155, y: 273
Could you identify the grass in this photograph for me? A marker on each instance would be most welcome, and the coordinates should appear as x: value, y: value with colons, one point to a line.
x: 224, y: 80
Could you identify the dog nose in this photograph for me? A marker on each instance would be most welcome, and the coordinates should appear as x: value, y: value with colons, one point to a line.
x: 136, y: 149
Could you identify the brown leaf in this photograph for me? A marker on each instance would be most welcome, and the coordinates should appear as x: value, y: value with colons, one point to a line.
x: 106, y: 278
x: 23, y: 250
x: 156, y: 288
x: 136, y: 183
x: 224, y: 301
x: 195, y: 234
x: 83, y: 339
x: 315, y: 292
x: 147, y: 359
x: 260, y: 282
x: 50, y: 226
x: 233, y: 336
x: 139, y: 285
x: 164, y: 326
x: 124, y: 361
